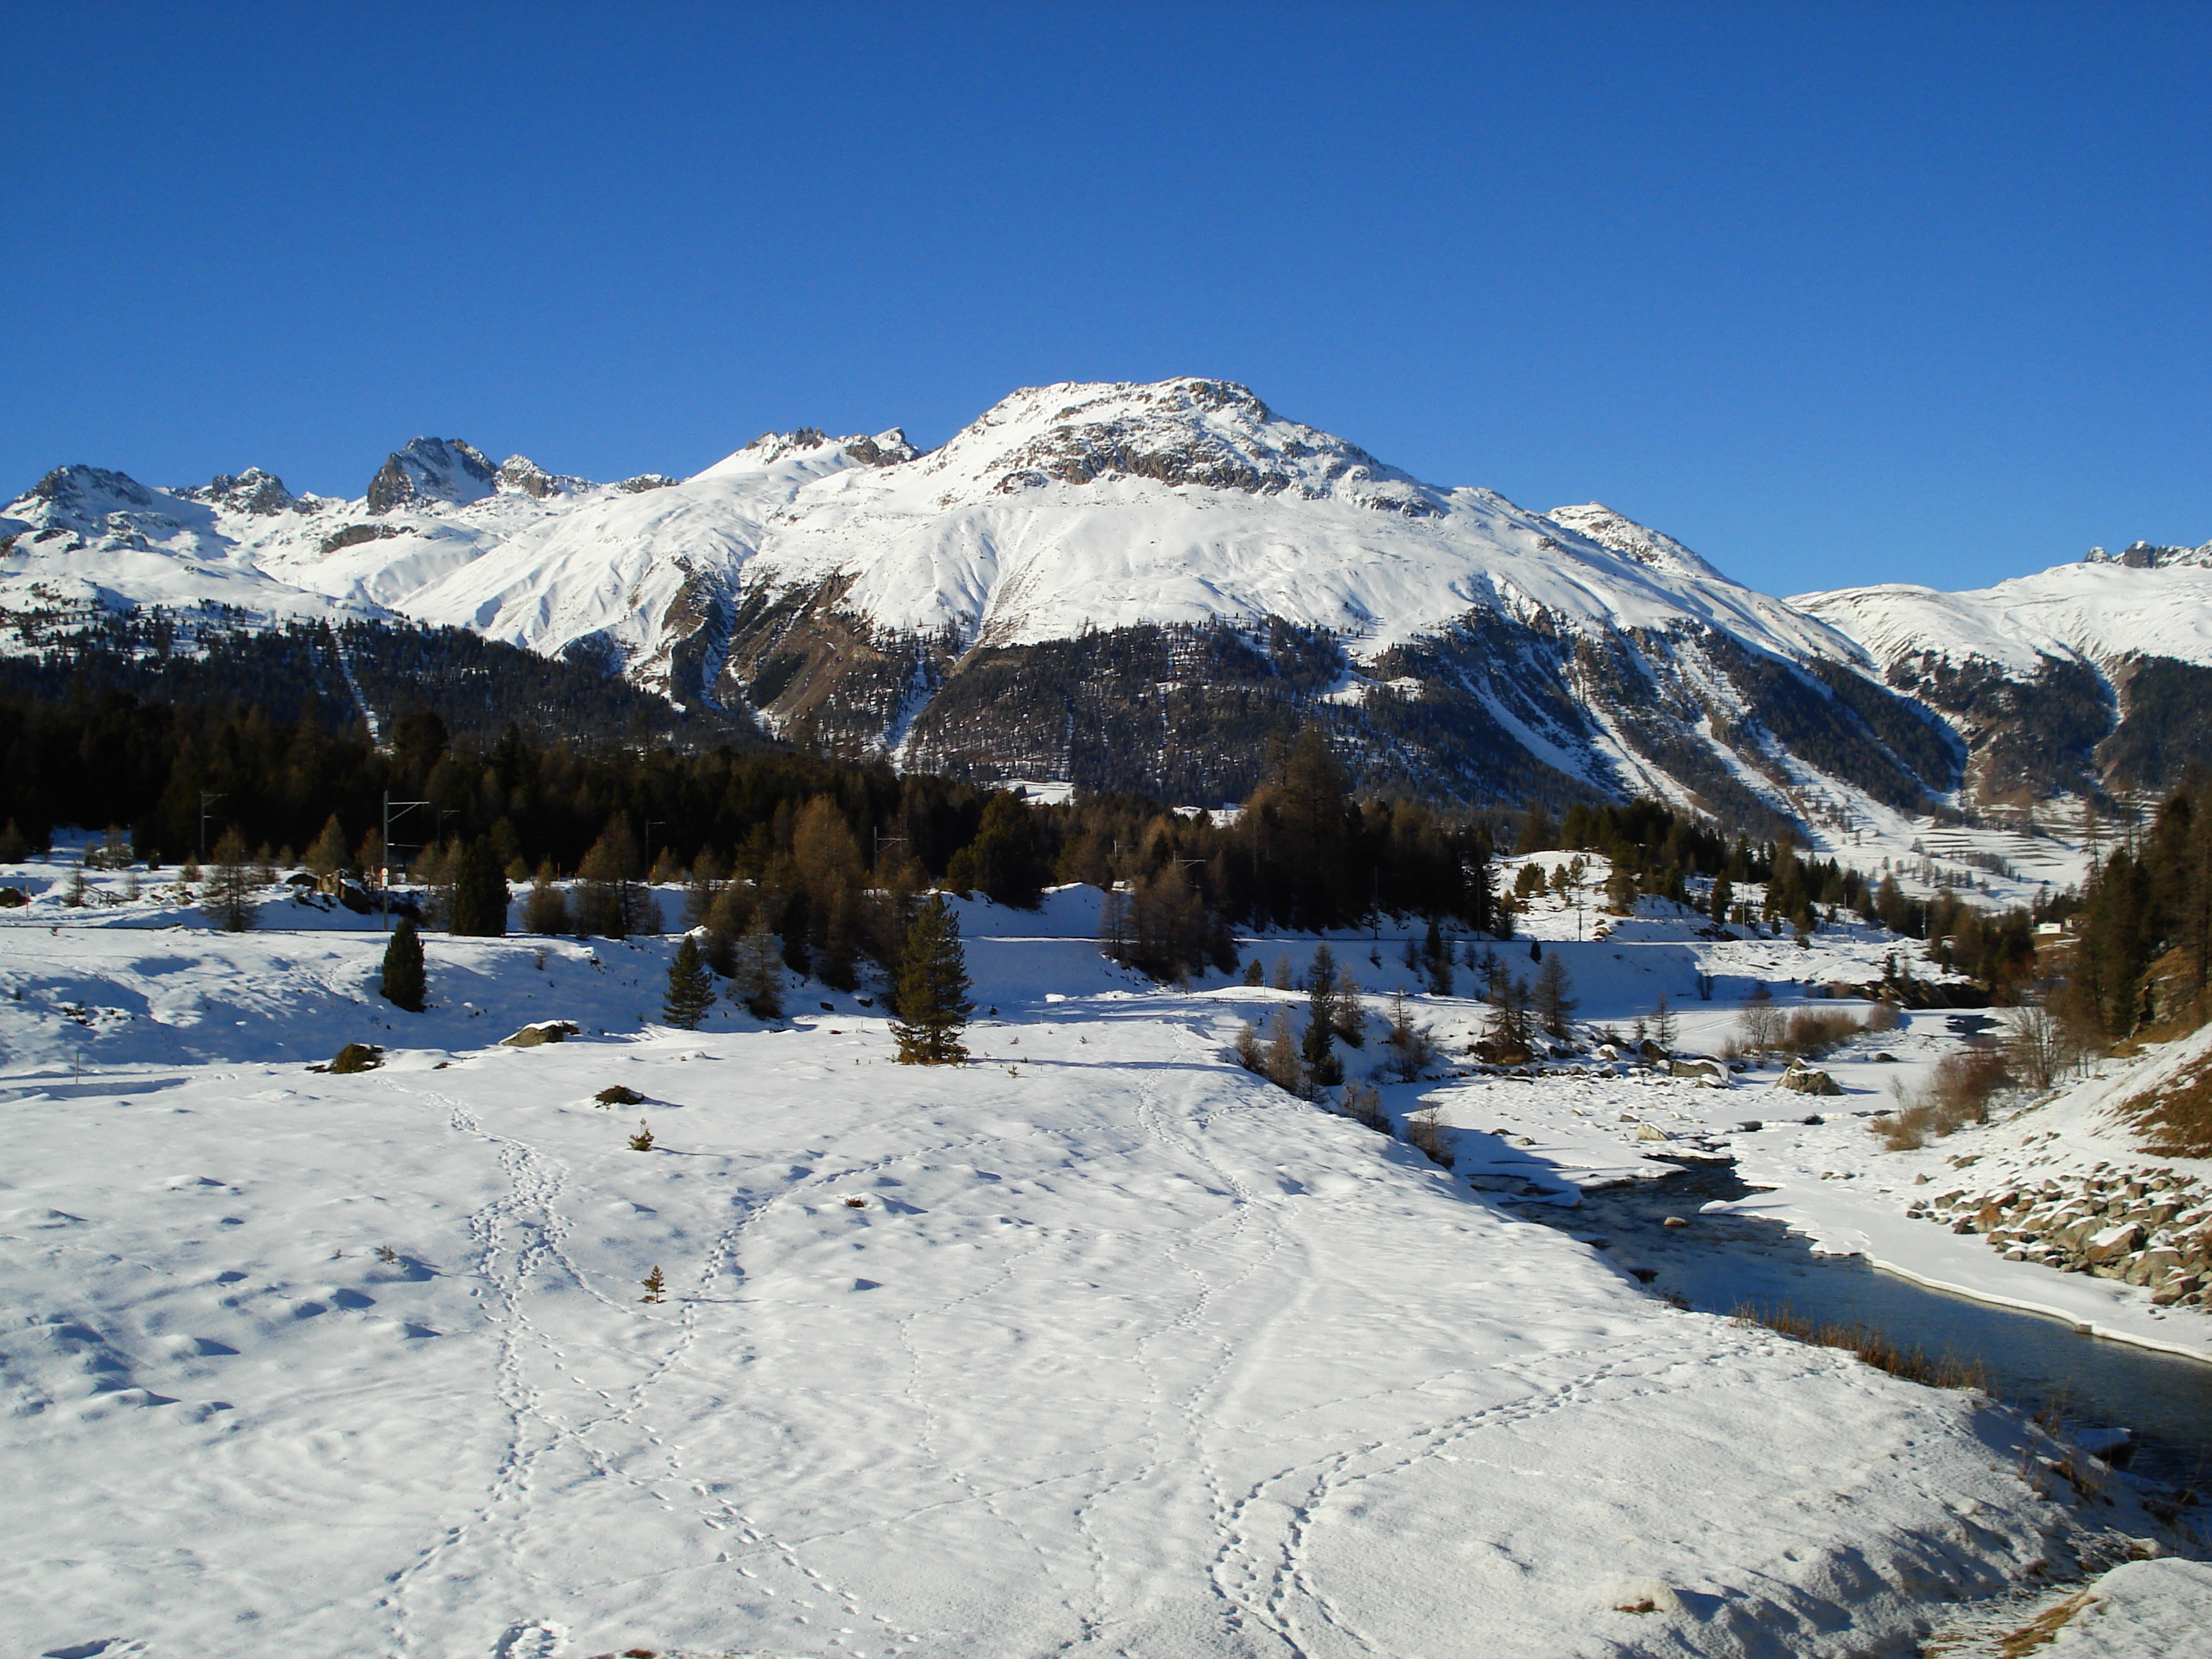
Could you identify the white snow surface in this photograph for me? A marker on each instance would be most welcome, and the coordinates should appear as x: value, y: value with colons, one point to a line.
x: 2096, y: 612
x: 1098, y: 1344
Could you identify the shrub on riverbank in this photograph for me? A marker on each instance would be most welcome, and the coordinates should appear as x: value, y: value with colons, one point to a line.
x: 1913, y: 1365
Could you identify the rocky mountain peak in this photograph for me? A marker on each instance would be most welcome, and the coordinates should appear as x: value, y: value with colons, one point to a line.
x: 2146, y: 555
x: 79, y: 498
x: 254, y: 491
x: 1623, y: 535
x: 1203, y: 433
x: 519, y: 475
x: 429, y: 469
x: 886, y: 448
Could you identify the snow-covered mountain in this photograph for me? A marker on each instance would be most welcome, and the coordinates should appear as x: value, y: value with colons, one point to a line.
x: 2087, y: 677
x: 1115, y: 584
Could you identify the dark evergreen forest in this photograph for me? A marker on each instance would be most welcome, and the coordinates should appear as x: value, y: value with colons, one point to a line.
x: 545, y: 770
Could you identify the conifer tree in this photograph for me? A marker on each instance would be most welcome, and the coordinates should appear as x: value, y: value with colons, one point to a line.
x: 611, y: 901
x: 405, y: 984
x: 478, y: 908
x: 229, y: 898
x: 691, y: 988
x: 729, y: 914
x: 756, y: 971
x: 1436, y: 961
x: 1317, y: 1048
x: 1553, y: 996
x: 1348, y: 1017
x: 1508, y: 1016
x: 932, y: 989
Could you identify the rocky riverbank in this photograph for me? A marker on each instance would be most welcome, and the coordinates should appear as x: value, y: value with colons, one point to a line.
x: 2149, y: 1227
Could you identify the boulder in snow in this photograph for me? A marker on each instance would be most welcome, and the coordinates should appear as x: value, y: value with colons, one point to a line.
x: 1808, y: 1080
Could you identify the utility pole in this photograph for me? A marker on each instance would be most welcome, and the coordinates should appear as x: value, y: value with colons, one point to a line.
x: 391, y: 809
x: 208, y: 797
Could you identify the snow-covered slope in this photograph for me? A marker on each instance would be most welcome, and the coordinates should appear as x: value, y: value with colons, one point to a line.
x: 1071, y: 508
x: 1116, y: 585
x: 1099, y: 1345
x: 2148, y: 602
x: 2076, y: 680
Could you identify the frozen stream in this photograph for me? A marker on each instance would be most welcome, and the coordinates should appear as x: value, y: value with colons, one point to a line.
x: 1718, y: 1263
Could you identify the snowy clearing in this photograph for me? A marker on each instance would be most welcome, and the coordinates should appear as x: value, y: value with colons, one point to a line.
x: 1098, y: 1344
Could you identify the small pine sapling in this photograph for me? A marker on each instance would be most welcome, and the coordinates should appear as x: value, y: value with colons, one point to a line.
x: 691, y: 988
x: 642, y: 1141
x: 656, y: 1287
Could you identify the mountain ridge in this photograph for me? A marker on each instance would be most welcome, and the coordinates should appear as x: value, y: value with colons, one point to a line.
x: 1085, y: 564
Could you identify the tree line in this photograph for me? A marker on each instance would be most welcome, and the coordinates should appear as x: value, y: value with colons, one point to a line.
x: 2142, y: 950
x: 825, y: 858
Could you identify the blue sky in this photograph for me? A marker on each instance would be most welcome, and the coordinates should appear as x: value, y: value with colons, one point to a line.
x: 1835, y: 294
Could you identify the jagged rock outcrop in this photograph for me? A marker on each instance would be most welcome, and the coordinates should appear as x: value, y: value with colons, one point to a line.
x: 432, y: 470
x: 525, y: 477
x: 262, y: 494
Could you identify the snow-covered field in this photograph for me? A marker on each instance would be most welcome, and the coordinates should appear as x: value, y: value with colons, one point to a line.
x: 1099, y: 1344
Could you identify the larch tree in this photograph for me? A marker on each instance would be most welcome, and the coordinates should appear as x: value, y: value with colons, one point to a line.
x: 1553, y: 996
x: 756, y: 971
x: 1317, y: 1048
x: 228, y: 901
x: 328, y: 855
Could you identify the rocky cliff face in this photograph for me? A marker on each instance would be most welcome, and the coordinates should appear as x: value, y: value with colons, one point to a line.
x: 433, y: 470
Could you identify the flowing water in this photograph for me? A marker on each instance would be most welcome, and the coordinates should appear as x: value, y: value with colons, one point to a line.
x: 1719, y: 1262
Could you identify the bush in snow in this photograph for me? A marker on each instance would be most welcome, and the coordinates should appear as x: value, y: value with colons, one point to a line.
x: 403, y: 983
x: 546, y: 909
